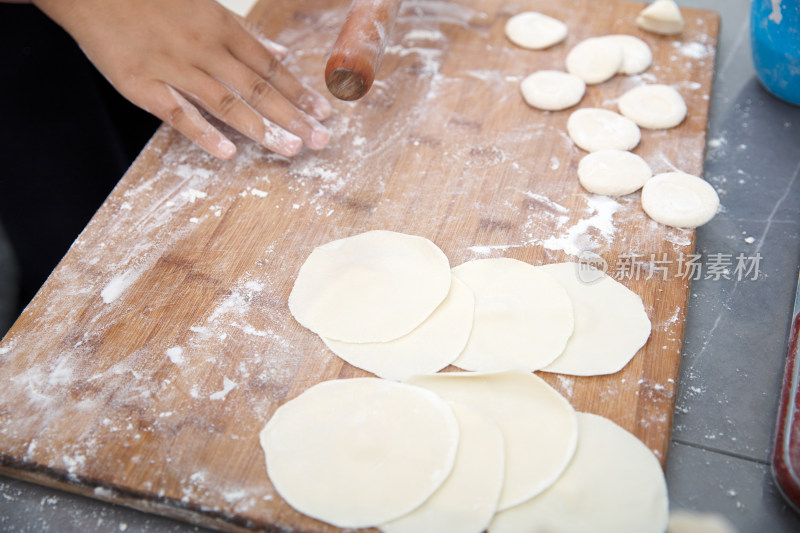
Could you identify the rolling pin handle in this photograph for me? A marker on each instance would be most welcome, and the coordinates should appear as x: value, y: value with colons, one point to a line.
x: 346, y: 84
x: 357, y: 52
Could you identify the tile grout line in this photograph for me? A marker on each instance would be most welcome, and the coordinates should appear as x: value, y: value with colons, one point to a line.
x: 722, y: 452
x: 769, y: 221
x: 777, y: 206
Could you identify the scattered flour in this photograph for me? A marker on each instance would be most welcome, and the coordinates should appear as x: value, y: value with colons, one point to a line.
x: 254, y: 286
x: 579, y: 237
x: 234, y: 496
x: 423, y: 35
x: 189, y: 172
x: 431, y: 57
x: 694, y: 50
x: 104, y: 493
x: 679, y: 237
x: 61, y: 374
x: 488, y: 250
x: 567, y: 384
x: 175, y: 355
x: 547, y: 202
x: 193, y: 194
x: 118, y: 285
x: 227, y: 386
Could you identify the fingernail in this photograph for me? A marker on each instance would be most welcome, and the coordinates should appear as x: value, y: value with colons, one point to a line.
x: 291, y: 146
x: 226, y: 148
x: 319, y: 137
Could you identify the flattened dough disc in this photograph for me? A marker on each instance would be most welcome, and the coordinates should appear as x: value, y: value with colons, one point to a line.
x: 467, y: 500
x: 610, y: 322
x: 538, y: 424
x: 433, y: 345
x: 372, y: 287
x: 360, y: 452
x: 614, y: 484
x: 523, y: 317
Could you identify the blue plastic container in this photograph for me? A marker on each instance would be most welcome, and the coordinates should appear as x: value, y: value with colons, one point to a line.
x: 775, y: 39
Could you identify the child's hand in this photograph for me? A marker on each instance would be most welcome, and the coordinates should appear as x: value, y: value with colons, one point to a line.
x: 168, y: 56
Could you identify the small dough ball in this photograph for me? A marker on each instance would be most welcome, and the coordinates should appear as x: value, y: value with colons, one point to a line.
x: 594, y: 129
x: 636, y: 54
x: 663, y: 17
x: 360, y: 452
x: 372, y: 287
x: 552, y: 90
x: 654, y: 107
x: 595, y: 60
x: 535, y: 31
x: 679, y: 200
x: 613, y: 172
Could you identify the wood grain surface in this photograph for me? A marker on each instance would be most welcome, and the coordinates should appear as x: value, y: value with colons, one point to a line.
x: 160, y: 346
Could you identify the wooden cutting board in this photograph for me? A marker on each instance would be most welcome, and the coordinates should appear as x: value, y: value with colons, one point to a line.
x: 160, y: 346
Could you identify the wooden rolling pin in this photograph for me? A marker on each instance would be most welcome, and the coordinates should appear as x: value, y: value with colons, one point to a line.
x: 358, y: 51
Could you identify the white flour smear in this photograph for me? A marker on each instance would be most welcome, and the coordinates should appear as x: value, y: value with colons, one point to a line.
x: 587, y: 234
x: 118, y: 285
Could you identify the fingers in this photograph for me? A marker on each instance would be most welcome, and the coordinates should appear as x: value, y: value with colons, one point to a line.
x: 276, y: 111
x: 269, y: 68
x: 271, y: 104
x: 238, y: 96
x: 229, y: 105
x: 174, y: 109
x: 268, y: 100
x: 247, y: 103
x: 171, y: 107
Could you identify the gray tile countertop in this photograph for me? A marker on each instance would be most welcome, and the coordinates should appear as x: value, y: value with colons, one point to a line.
x: 736, y: 335
x: 737, y: 330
